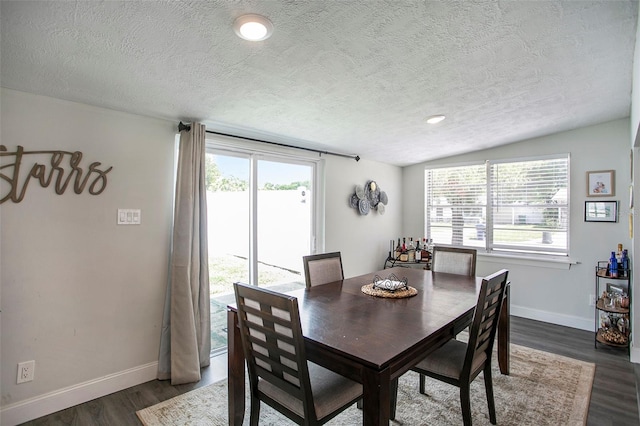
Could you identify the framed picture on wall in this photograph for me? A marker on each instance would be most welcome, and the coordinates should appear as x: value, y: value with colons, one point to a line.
x: 601, y: 183
x: 600, y: 211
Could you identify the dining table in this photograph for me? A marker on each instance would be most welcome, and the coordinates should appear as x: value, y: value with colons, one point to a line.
x: 374, y: 340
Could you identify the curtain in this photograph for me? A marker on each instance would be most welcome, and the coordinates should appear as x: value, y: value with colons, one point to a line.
x: 185, y: 342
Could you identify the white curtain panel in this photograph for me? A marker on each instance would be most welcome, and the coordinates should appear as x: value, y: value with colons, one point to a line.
x: 185, y: 343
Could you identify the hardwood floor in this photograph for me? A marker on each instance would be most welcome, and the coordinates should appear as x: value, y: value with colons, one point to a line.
x: 613, y: 399
x: 614, y: 396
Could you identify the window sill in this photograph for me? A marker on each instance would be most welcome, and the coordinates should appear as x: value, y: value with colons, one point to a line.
x: 537, y: 261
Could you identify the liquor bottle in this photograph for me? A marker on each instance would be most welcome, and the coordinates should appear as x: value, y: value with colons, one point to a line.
x: 425, y: 252
x: 418, y: 251
x: 398, y: 250
x: 619, y: 259
x: 411, y: 250
x: 404, y: 256
x: 613, y: 265
x: 625, y: 263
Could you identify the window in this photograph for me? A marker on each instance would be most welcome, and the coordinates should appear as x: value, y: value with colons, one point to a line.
x: 509, y: 206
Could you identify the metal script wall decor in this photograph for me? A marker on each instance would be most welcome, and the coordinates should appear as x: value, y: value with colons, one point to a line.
x: 45, y: 174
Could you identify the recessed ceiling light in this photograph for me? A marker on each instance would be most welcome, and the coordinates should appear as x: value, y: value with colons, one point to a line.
x: 434, y: 119
x: 253, y: 27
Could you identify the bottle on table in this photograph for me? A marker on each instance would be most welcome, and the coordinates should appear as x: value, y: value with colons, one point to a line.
x: 425, y: 252
x: 411, y: 250
x: 404, y: 256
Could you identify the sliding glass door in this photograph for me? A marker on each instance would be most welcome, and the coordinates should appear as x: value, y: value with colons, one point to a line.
x: 228, y: 213
x: 260, y: 224
x: 283, y: 220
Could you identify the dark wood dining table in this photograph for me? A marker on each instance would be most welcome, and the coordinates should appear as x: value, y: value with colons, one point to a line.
x: 374, y: 340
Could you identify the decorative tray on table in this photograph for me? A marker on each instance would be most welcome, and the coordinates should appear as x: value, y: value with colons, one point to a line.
x: 390, y: 287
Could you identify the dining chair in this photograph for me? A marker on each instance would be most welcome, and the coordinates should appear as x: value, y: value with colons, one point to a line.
x: 322, y: 268
x: 454, y: 260
x: 278, y: 370
x: 459, y: 363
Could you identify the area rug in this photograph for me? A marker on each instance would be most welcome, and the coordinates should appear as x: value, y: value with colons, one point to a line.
x: 542, y: 389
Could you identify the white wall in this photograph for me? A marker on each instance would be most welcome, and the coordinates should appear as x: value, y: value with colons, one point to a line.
x: 557, y: 293
x: 82, y: 296
x: 363, y: 240
x: 635, y: 93
x: 635, y: 143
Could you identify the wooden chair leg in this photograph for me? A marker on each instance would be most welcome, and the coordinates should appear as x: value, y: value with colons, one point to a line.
x: 254, y: 416
x: 393, y: 399
x: 422, y: 380
x: 465, y: 402
x: 488, y: 385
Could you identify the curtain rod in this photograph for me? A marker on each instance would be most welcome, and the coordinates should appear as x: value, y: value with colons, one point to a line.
x: 187, y: 127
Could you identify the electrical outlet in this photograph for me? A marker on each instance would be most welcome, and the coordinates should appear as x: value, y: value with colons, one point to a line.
x: 592, y: 300
x: 26, y: 371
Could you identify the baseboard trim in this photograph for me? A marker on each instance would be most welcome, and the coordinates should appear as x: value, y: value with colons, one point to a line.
x: 634, y: 356
x: 43, y: 405
x: 553, y: 318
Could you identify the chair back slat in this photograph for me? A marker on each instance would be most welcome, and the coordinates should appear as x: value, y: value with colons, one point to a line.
x: 454, y: 260
x: 485, y: 320
x: 279, y: 360
x: 322, y: 268
x: 273, y: 343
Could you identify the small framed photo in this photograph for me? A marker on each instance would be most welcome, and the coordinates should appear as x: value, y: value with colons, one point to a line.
x: 600, y: 211
x: 601, y: 183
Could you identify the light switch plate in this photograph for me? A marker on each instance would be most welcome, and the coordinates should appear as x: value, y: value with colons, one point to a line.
x: 129, y: 216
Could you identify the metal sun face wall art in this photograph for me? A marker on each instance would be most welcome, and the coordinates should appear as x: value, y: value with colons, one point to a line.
x: 368, y: 197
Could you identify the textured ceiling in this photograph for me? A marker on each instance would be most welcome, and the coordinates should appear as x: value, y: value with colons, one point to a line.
x: 357, y: 77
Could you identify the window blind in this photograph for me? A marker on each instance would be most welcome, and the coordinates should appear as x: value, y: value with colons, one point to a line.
x: 508, y: 205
